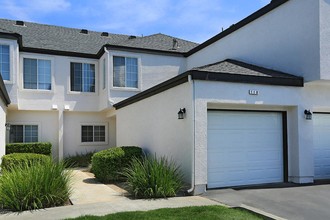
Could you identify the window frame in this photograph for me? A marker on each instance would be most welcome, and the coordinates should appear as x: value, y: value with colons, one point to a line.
x: 9, y: 63
x: 82, y: 61
x: 37, y: 57
x: 25, y: 124
x: 139, y: 68
x: 94, y: 142
x: 13, y: 58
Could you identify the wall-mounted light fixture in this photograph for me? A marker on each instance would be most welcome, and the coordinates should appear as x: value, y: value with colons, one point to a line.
x: 308, y: 114
x: 7, y: 126
x: 181, y: 113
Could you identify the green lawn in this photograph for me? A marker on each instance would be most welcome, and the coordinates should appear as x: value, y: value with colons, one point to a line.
x: 203, y: 213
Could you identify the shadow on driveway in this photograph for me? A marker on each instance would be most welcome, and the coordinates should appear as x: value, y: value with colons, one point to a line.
x: 286, y: 200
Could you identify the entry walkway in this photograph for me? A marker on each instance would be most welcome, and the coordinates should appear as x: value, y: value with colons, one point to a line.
x: 92, y: 198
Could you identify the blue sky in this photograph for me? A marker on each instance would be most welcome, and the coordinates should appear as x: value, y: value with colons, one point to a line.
x: 194, y: 20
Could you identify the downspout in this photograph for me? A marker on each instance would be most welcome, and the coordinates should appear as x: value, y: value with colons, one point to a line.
x: 191, y: 190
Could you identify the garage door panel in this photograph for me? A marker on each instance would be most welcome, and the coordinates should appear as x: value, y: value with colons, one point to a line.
x: 244, y: 148
x: 321, y: 146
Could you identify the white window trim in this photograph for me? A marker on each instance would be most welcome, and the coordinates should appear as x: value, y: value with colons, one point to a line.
x: 126, y: 55
x: 96, y: 63
x: 25, y: 123
x: 93, y: 124
x: 104, y: 74
x: 12, y: 53
x: 38, y: 57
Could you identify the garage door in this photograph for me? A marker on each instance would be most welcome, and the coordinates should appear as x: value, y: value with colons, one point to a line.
x: 244, y: 148
x: 321, y: 146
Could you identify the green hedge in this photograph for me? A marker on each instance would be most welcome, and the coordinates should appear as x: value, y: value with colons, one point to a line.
x: 37, y: 148
x: 107, y: 165
x: 17, y: 159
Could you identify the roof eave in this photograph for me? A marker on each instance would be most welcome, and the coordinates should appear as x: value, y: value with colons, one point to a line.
x: 175, y: 81
x: 145, y: 50
x: 239, y: 78
x: 211, y: 76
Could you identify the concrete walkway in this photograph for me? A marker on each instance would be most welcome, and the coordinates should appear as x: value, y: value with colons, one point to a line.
x: 92, y: 198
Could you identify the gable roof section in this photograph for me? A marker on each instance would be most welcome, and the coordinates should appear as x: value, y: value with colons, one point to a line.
x: 69, y: 41
x: 236, y: 71
x: 261, y: 12
x: 3, y: 92
x: 226, y: 71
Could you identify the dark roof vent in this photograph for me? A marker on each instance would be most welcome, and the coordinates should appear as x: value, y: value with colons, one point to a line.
x: 105, y: 34
x: 132, y: 37
x: 84, y: 31
x: 20, y: 23
x: 175, y: 44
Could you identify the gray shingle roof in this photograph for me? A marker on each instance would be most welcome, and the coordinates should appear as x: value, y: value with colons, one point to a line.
x: 235, y: 67
x: 56, y: 38
x: 225, y: 71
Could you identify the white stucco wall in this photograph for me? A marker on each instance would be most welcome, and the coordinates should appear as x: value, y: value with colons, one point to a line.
x: 47, y: 122
x: 72, y: 132
x: 153, y: 125
x: 60, y: 94
x: 153, y: 69
x: 3, y: 111
x: 293, y: 100
x: 104, y: 92
x: 285, y: 39
x: 325, y: 38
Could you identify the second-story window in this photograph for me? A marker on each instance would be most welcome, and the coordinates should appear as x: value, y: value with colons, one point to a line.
x: 82, y: 77
x: 37, y: 74
x: 4, y: 62
x: 125, y: 72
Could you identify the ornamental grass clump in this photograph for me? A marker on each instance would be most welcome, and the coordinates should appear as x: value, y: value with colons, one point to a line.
x: 35, y: 186
x: 153, y: 177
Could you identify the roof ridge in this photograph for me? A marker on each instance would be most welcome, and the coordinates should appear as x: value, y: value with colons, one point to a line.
x: 58, y: 26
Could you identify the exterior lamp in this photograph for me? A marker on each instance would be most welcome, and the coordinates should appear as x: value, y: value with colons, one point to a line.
x: 308, y: 114
x: 7, y: 126
x: 181, y: 113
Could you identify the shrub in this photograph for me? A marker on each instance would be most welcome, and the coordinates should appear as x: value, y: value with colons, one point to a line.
x: 107, y: 165
x: 35, y: 186
x: 37, y: 148
x: 80, y: 159
x: 153, y: 177
x: 11, y: 160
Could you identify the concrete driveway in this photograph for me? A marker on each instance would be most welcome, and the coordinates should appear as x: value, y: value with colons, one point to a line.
x: 286, y: 201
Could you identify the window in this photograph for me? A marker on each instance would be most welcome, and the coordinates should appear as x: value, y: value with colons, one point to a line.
x: 125, y: 72
x: 104, y: 74
x: 92, y: 133
x: 23, y: 133
x: 82, y: 77
x: 37, y: 74
x: 4, y: 62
